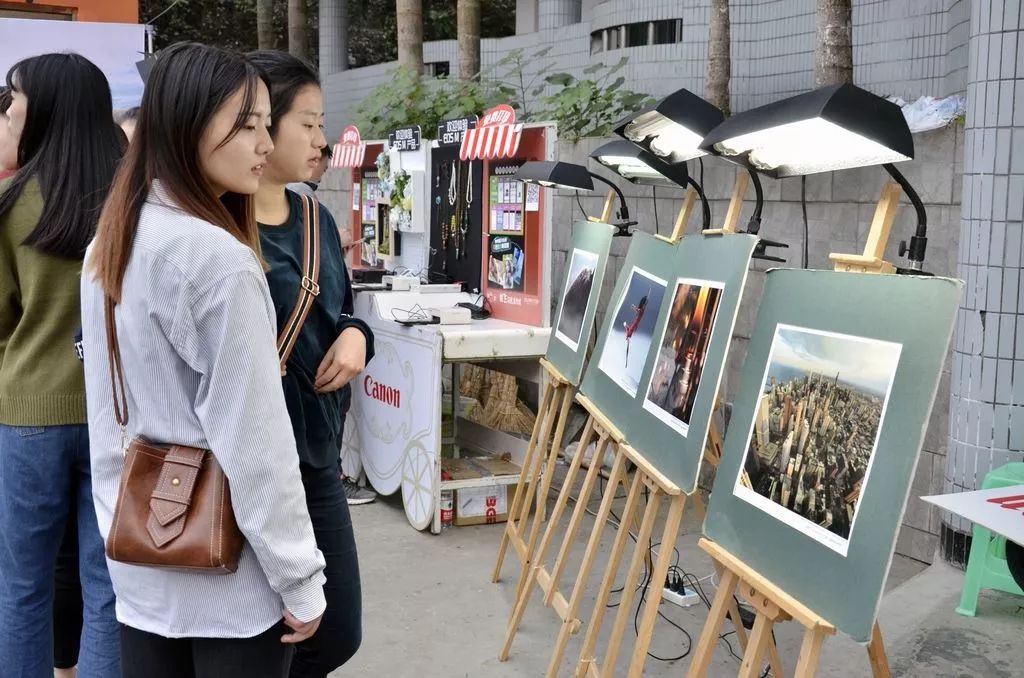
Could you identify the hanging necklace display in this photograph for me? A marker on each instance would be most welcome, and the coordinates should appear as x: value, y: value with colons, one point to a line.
x: 437, y: 220
x: 464, y: 223
x: 453, y: 196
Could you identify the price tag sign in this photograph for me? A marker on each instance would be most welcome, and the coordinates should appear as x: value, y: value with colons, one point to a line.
x: 405, y: 139
x: 450, y: 132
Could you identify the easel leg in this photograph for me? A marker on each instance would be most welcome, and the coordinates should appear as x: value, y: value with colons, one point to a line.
x: 810, y: 653
x: 630, y: 586
x: 877, y: 655
x: 713, y: 626
x: 541, y: 498
x: 612, y: 569
x: 512, y: 527
x: 528, y: 573
x: 569, y: 624
x: 577, y: 517
x: 760, y: 639
x: 669, y: 535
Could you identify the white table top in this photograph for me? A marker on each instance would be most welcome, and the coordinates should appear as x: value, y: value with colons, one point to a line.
x: 492, y: 338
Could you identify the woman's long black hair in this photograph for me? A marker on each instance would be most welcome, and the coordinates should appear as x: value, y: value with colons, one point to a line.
x: 68, y: 144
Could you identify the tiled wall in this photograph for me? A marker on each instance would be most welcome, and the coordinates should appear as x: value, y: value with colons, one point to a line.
x: 987, y: 420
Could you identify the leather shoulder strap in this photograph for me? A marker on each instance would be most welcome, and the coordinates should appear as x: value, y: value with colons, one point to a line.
x: 309, y: 288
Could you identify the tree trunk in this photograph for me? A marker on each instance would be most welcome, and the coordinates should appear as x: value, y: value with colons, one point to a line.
x: 265, y: 24
x: 298, y: 45
x: 409, y: 15
x: 719, y: 63
x: 468, y: 14
x: 333, y: 36
x: 833, y: 48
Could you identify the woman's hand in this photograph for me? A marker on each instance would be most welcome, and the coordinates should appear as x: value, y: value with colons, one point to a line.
x: 345, y: 359
x: 302, y: 630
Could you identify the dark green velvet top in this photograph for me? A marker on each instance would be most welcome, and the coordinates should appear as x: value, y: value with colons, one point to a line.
x: 318, y: 419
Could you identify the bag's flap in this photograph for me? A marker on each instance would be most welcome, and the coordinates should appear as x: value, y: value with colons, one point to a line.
x: 173, y: 493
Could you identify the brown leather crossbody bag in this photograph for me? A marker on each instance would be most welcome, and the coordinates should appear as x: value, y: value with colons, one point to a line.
x: 174, y: 504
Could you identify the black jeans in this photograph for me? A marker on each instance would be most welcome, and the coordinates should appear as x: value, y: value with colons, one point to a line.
x: 341, y: 630
x: 147, y: 655
x: 67, y: 598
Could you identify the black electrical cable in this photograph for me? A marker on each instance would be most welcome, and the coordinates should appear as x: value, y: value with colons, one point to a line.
x: 803, y: 208
x: 581, y: 205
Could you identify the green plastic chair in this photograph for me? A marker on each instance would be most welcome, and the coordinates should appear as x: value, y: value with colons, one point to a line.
x: 986, y: 566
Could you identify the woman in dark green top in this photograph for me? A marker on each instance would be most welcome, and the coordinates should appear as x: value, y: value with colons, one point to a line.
x: 332, y: 348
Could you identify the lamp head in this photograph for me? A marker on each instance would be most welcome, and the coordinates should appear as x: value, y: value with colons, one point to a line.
x: 673, y: 128
x: 637, y: 166
x: 831, y: 128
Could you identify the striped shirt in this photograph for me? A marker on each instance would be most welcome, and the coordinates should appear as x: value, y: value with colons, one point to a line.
x: 197, y: 333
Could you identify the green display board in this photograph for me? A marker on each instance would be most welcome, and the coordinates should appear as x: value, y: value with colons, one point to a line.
x: 585, y: 267
x: 835, y: 394
x: 661, y: 351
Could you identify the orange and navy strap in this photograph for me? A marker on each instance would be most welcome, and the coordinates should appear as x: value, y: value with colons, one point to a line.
x: 309, y: 287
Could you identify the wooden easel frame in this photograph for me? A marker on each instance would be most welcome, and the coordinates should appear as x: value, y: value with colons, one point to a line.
x: 598, y: 429
x: 771, y: 604
x: 660, y: 488
x: 538, y: 466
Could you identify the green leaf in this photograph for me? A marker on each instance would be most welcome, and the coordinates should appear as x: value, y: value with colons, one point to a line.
x: 562, y: 79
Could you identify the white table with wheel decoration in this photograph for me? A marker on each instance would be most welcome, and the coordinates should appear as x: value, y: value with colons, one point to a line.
x: 394, y: 431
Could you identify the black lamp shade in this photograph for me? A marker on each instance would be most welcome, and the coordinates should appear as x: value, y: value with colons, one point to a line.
x: 673, y: 128
x: 556, y: 175
x: 832, y: 128
x: 637, y: 166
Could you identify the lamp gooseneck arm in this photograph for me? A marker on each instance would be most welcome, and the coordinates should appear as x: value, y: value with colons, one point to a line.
x: 918, y: 241
x: 703, y: 201
x: 624, y: 211
x: 754, y: 225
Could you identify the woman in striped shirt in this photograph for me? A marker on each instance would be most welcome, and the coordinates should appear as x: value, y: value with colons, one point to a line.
x: 178, y: 251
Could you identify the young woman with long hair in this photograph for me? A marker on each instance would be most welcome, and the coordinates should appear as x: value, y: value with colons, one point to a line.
x: 332, y: 347
x: 66, y: 153
x: 177, y: 250
x: 8, y: 144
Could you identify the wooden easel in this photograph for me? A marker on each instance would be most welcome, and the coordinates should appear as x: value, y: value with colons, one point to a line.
x: 606, y: 211
x: 538, y: 466
x: 771, y: 604
x: 660, y: 488
x: 598, y: 429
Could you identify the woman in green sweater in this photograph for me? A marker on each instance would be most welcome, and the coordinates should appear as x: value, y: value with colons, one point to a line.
x: 67, y: 152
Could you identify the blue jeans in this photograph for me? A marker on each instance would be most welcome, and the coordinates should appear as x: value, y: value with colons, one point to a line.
x: 42, y: 470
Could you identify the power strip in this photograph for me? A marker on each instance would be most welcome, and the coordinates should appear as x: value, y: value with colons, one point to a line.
x: 685, y: 598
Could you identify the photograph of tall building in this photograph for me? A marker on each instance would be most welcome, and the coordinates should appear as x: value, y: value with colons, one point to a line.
x: 632, y: 330
x: 683, y: 348
x: 812, y: 442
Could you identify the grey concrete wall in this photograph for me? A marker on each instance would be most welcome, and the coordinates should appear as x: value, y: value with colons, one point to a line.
x: 987, y: 420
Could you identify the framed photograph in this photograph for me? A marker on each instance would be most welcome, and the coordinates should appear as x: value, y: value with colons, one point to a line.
x: 811, y: 447
x: 632, y: 330
x: 682, y: 352
x: 576, y: 297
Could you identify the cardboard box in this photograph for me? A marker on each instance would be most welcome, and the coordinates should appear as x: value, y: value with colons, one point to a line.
x: 481, y: 505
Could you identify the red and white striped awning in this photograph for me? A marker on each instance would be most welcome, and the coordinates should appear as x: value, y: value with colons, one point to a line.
x: 497, y: 136
x: 493, y: 141
x: 348, y: 155
x: 350, y: 149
